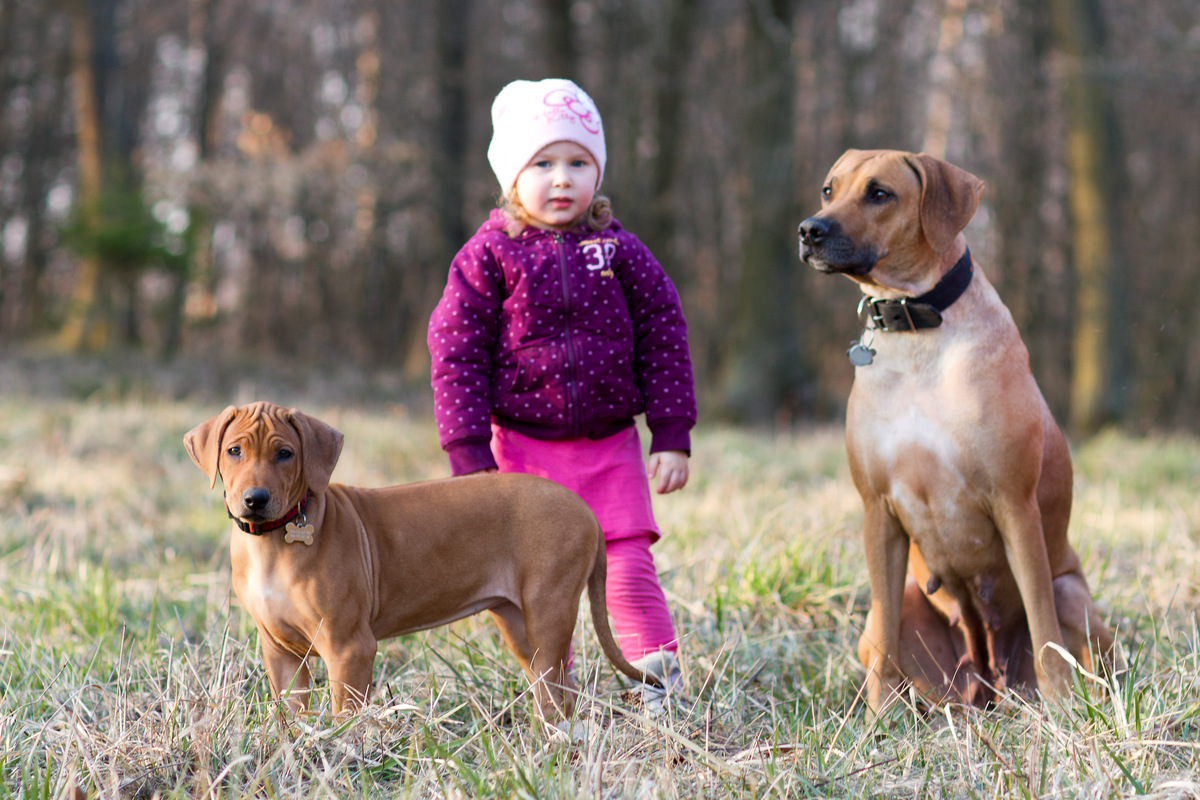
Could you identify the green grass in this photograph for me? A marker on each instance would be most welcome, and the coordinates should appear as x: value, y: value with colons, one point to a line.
x: 127, y: 669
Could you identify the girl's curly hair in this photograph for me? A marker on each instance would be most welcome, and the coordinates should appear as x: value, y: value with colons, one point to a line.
x: 598, y: 216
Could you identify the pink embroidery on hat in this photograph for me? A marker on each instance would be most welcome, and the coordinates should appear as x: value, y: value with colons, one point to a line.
x: 564, y: 98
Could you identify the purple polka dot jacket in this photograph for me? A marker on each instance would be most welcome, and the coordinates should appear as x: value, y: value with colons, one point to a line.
x: 558, y: 335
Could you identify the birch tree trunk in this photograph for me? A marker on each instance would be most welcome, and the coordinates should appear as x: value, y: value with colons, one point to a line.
x: 939, y: 110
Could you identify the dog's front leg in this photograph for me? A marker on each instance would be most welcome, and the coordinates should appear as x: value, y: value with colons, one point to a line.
x: 351, y: 664
x: 886, y: 546
x: 287, y: 673
x: 1020, y: 525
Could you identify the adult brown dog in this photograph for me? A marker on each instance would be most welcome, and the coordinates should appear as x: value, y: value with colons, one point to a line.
x: 330, y: 570
x: 964, y: 475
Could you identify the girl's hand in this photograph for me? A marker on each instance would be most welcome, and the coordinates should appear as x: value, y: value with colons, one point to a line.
x: 671, y: 467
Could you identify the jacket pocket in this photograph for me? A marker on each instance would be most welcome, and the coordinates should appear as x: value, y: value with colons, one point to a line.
x: 531, y: 384
x: 539, y: 366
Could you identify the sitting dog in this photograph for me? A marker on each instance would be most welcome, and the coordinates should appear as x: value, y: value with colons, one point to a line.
x: 330, y: 570
x: 965, y: 478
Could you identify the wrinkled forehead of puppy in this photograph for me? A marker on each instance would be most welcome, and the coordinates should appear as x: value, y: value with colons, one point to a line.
x: 260, y: 424
x: 262, y: 414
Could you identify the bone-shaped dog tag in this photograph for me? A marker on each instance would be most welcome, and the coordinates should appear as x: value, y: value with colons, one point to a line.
x: 295, y: 533
x: 860, y: 355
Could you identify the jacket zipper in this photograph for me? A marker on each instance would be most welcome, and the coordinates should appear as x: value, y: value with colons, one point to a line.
x: 574, y: 412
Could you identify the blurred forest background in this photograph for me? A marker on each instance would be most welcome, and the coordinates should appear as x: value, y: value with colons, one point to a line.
x: 288, y: 180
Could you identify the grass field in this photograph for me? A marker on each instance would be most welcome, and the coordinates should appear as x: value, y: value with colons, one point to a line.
x: 128, y: 670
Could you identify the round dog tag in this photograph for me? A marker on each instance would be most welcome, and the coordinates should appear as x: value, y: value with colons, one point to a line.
x: 860, y: 355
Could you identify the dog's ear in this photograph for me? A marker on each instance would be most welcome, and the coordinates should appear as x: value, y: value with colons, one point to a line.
x: 321, y: 446
x: 203, y: 443
x: 949, y: 197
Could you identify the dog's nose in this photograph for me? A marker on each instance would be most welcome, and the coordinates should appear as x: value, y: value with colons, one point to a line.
x: 813, y: 230
x: 256, y: 499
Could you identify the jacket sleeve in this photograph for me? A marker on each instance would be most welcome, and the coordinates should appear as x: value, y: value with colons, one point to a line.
x: 463, y: 332
x: 663, y: 364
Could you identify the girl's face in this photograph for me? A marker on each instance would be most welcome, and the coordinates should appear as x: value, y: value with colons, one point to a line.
x: 557, y: 185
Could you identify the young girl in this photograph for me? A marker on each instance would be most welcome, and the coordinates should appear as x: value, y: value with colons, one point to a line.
x: 556, y: 328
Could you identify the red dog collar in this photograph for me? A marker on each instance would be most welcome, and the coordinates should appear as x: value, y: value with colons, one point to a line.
x: 259, y: 528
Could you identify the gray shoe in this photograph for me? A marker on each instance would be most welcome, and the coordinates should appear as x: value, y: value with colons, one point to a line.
x: 663, y: 665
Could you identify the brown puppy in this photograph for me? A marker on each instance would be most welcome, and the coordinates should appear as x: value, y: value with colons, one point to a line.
x: 964, y: 475
x: 330, y: 570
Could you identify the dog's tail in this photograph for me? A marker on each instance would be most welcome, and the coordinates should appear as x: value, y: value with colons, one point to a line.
x: 608, y: 643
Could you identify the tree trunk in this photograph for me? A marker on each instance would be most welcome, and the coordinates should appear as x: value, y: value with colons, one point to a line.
x: 449, y: 155
x: 80, y: 331
x: 203, y: 34
x: 560, y: 39
x: 764, y: 373
x: 670, y: 86
x: 939, y: 110
x: 1090, y: 150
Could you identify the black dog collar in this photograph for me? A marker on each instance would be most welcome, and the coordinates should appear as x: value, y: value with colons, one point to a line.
x: 259, y: 528
x: 915, y: 313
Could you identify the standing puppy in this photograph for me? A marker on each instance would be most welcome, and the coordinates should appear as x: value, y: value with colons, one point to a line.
x: 329, y: 570
x: 965, y: 477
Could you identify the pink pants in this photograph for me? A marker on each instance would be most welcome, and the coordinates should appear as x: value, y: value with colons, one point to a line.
x: 635, y: 599
x: 610, y: 476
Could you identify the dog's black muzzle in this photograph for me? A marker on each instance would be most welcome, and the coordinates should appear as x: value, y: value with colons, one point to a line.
x: 826, y: 248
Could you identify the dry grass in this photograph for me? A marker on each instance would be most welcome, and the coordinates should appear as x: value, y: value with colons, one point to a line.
x: 127, y: 670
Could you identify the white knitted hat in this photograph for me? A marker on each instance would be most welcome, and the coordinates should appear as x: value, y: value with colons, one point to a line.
x: 528, y: 115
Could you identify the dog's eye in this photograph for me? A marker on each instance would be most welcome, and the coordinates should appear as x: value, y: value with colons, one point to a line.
x: 877, y: 193
x: 284, y: 454
x: 234, y: 452
x: 827, y: 192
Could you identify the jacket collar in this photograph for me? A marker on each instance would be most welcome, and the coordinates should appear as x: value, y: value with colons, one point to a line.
x: 497, y: 222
